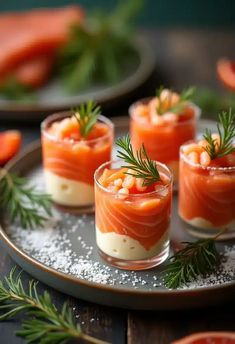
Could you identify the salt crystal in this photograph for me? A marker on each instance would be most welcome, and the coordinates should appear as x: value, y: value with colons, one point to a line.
x: 53, y: 247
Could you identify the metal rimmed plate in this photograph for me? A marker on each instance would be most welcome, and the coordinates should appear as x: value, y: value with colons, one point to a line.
x: 52, y: 97
x: 64, y: 256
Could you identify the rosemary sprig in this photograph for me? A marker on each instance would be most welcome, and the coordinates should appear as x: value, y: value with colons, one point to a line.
x: 226, y: 131
x: 195, y: 259
x: 86, y: 115
x: 100, y: 50
x: 23, y: 201
x: 185, y: 96
x: 45, y: 324
x: 141, y: 165
x: 14, y: 90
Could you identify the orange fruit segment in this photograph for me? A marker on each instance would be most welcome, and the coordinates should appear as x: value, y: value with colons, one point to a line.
x: 10, y: 142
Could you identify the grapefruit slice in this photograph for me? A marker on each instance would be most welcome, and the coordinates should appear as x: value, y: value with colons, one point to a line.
x: 208, y: 338
x: 10, y: 142
x: 226, y: 72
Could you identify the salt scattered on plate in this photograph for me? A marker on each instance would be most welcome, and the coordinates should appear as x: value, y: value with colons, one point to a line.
x: 66, y: 244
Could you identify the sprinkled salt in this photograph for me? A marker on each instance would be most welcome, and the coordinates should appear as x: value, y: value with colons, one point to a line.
x: 54, y: 246
x: 66, y: 244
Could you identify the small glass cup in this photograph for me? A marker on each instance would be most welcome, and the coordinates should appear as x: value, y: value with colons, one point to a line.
x: 162, y: 142
x: 69, y: 164
x: 206, y: 198
x: 132, y: 233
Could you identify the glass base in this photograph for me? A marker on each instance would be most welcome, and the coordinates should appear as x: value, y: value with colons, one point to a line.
x: 142, y: 264
x: 203, y: 233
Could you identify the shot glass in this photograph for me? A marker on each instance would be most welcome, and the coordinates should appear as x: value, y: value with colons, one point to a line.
x: 206, y: 197
x: 132, y: 231
x: 162, y: 139
x: 69, y: 161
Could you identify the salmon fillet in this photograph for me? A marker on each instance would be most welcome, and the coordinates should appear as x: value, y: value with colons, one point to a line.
x: 30, y: 39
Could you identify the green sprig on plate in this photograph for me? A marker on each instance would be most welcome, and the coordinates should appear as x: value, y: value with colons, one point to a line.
x: 23, y: 201
x: 43, y: 323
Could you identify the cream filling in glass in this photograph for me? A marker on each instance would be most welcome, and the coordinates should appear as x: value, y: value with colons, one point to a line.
x: 200, y: 222
x: 68, y: 192
x: 124, y: 247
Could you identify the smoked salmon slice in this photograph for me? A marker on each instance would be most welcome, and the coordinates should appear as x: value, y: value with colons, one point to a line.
x: 163, y: 133
x: 145, y: 218
x: 72, y: 157
x: 207, y: 193
x: 32, y: 73
x: 29, y: 41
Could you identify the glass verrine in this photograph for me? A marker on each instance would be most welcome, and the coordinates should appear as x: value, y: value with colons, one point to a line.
x: 69, y: 162
x: 132, y: 231
x: 162, y: 139
x: 207, y: 196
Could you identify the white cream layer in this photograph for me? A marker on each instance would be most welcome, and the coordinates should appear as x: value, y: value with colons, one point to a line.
x: 200, y: 222
x: 123, y: 247
x: 68, y: 192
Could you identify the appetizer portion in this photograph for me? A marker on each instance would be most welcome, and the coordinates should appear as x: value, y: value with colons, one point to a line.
x: 164, y: 123
x: 74, y: 145
x: 207, y: 178
x: 30, y: 41
x: 133, y: 209
x: 67, y: 50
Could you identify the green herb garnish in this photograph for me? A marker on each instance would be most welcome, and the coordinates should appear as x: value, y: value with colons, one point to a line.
x: 22, y: 201
x: 195, y: 259
x: 14, y: 90
x: 226, y: 131
x: 212, y: 101
x: 141, y: 165
x: 86, y: 115
x: 185, y: 96
x: 45, y: 324
x: 101, y: 49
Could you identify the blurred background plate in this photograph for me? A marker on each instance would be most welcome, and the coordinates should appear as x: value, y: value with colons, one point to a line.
x: 52, y: 97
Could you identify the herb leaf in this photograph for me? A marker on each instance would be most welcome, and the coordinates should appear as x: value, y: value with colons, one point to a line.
x: 14, y: 90
x: 46, y: 324
x: 226, y: 131
x: 94, y: 53
x: 142, y: 166
x: 86, y: 115
x: 185, y: 96
x: 195, y: 259
x: 213, y: 102
x: 23, y: 201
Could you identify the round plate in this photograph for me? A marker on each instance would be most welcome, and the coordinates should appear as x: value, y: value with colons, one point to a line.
x: 52, y: 97
x: 64, y: 255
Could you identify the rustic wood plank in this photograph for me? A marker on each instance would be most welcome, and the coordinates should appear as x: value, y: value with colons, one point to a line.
x: 164, y: 327
x: 102, y: 322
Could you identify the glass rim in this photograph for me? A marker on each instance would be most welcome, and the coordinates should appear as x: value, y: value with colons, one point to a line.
x: 197, y: 112
x: 64, y: 114
x: 199, y: 166
x: 155, y: 192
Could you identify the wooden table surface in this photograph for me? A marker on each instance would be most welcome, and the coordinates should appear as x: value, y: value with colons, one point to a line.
x: 184, y: 57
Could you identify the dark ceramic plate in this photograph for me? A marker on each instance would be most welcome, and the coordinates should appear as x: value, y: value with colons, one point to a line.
x: 52, y: 97
x: 64, y: 256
